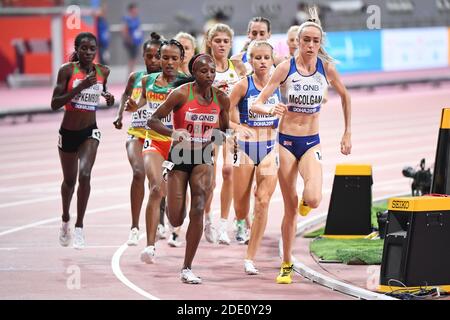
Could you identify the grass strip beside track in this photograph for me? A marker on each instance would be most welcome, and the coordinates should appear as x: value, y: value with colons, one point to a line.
x: 351, y: 251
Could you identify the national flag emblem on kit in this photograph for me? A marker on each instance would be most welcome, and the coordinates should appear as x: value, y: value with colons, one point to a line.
x: 287, y: 143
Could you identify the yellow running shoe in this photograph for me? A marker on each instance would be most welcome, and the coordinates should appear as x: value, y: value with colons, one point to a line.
x: 285, y: 273
x: 303, y: 208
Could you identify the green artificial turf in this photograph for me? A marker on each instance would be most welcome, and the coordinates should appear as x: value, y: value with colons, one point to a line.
x: 350, y: 251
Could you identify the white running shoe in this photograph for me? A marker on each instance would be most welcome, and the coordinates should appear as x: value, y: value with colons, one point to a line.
x: 64, y: 234
x: 187, y: 276
x: 210, y: 233
x: 173, y: 242
x: 148, y: 255
x: 223, y: 237
x: 249, y: 267
x: 133, y: 238
x: 78, y: 239
x: 160, y: 232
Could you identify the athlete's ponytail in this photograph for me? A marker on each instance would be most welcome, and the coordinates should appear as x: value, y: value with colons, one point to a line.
x: 314, y: 21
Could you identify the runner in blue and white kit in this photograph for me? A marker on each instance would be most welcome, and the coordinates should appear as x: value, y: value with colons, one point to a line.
x: 255, y: 155
x: 304, y: 79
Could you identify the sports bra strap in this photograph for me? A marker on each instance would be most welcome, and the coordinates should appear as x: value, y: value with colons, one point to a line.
x: 98, y: 70
x: 191, y: 92
x: 216, y: 101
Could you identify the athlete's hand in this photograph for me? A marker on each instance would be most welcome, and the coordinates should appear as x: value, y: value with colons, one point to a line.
x: 118, y: 123
x: 244, y: 131
x: 89, y: 81
x: 108, y: 97
x: 346, y: 144
x: 278, y: 110
x: 131, y: 105
x: 181, y: 135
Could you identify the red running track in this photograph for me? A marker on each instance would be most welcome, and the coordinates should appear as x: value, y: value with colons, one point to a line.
x: 391, y: 129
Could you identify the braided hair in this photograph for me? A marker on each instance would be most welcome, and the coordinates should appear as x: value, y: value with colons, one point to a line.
x: 172, y: 42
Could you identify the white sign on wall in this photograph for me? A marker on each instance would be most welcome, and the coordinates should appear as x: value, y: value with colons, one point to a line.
x: 416, y: 48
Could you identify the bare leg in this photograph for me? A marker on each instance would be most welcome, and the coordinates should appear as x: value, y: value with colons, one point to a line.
x: 153, y: 168
x: 200, y: 182
x: 266, y: 181
x: 86, y: 153
x: 69, y: 164
x: 137, y: 191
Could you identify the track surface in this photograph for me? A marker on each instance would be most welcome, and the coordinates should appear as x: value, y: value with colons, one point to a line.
x: 391, y: 129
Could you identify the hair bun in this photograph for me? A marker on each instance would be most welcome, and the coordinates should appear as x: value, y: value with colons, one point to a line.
x: 155, y: 36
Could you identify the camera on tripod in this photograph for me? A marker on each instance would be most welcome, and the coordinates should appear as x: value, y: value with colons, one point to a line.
x: 421, y: 179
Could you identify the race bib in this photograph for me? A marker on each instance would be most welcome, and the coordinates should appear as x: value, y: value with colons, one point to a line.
x: 96, y: 134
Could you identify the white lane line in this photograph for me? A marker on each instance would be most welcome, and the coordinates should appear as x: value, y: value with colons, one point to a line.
x: 115, y: 265
x: 115, y: 262
x: 39, y: 173
x: 327, y: 281
x: 93, y: 193
x: 22, y: 202
x: 39, y: 186
x: 41, y: 222
x: 43, y: 199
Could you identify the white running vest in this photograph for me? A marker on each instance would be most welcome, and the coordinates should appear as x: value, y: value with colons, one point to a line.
x: 304, y: 94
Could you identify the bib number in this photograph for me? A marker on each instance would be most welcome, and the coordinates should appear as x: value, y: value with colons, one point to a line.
x: 96, y: 134
x: 147, y: 144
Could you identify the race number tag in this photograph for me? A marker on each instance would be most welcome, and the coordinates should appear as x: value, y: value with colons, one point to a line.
x: 277, y: 159
x: 147, y: 144
x: 318, y: 155
x: 96, y: 134
x: 236, y: 157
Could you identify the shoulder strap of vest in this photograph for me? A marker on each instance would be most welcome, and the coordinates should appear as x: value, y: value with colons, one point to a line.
x: 191, y: 91
x: 98, y: 70
x: 215, y: 100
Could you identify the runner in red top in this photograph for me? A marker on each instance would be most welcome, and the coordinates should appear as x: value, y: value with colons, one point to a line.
x: 198, y: 109
x: 79, y: 86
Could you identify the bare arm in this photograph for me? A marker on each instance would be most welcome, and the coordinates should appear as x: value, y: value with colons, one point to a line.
x: 278, y: 60
x: 278, y: 76
x: 60, y: 95
x: 235, y: 96
x: 336, y: 82
x: 237, y: 56
x: 240, y: 67
x: 224, y: 117
x: 125, y: 96
x: 131, y: 105
x: 107, y: 95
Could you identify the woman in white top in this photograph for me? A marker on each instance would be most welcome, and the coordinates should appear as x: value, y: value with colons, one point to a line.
x: 304, y: 79
x: 218, y: 42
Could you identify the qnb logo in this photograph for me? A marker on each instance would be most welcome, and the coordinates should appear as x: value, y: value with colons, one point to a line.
x: 398, y: 204
x: 201, y: 117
